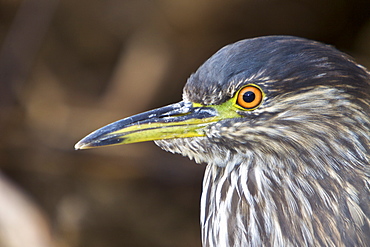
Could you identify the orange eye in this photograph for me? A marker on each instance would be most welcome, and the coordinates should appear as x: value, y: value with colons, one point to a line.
x: 249, y: 97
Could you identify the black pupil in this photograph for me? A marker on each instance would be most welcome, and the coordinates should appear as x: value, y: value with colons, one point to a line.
x: 249, y: 96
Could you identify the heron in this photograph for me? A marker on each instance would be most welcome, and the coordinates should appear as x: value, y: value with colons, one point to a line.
x: 282, y: 124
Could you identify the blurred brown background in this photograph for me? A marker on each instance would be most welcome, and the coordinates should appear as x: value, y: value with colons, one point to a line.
x: 68, y: 67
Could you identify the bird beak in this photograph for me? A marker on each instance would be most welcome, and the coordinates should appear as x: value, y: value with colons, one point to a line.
x: 179, y: 120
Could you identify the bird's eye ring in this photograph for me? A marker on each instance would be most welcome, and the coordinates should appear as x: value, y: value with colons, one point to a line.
x: 249, y: 97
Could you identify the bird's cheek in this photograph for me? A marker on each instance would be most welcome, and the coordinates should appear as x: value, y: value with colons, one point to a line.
x: 218, y: 133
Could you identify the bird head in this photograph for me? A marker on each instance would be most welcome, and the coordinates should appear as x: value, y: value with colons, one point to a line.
x: 273, y: 96
x: 283, y: 123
